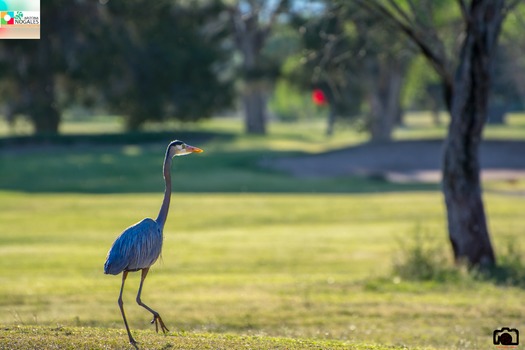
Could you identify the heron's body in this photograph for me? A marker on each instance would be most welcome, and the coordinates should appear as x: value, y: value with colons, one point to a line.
x: 137, y: 248
x: 140, y: 245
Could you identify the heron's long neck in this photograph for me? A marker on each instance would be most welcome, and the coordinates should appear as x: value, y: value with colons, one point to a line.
x: 163, y: 213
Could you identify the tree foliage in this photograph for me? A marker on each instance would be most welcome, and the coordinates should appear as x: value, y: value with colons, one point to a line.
x: 141, y: 60
x: 31, y: 71
x: 357, y: 62
x: 165, y: 62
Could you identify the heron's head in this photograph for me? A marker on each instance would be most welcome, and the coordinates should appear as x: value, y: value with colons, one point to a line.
x: 179, y: 148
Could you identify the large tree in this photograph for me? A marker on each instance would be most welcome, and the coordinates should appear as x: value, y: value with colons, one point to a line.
x: 163, y: 63
x: 385, y: 59
x: 466, y: 80
x: 252, y: 22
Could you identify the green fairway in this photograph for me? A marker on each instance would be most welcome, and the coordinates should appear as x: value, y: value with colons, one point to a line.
x: 293, y: 265
x: 252, y: 259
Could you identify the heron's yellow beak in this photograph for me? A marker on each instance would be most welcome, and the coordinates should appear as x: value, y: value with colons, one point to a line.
x: 193, y: 149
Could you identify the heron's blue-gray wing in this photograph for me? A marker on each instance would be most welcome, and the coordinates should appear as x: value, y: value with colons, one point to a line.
x: 136, y: 248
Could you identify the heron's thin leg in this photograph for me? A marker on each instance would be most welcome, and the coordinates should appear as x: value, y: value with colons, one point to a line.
x: 156, y: 317
x: 121, y: 305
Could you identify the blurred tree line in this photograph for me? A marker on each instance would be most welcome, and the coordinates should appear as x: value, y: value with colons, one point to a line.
x: 187, y: 60
x: 143, y: 60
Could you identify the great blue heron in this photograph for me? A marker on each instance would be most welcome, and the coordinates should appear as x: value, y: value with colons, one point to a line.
x: 139, y: 246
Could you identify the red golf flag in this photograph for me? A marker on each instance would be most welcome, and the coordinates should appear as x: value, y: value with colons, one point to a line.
x: 319, y: 98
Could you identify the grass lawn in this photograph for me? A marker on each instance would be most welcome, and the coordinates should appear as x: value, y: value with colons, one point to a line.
x: 88, y: 338
x: 252, y: 258
x: 293, y: 265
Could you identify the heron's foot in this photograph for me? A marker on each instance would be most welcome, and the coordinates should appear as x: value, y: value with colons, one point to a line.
x: 133, y: 342
x: 158, y: 321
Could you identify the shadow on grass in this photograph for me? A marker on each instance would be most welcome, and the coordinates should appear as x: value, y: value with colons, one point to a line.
x: 138, y: 137
x: 132, y: 163
x: 510, y: 270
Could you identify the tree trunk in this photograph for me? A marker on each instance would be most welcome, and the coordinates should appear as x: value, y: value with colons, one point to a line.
x: 250, y: 37
x: 42, y: 104
x: 330, y: 124
x: 46, y: 119
x: 467, y: 224
x: 385, y: 103
x: 254, y: 101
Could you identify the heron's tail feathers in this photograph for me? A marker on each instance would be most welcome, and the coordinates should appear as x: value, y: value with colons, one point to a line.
x: 113, y: 266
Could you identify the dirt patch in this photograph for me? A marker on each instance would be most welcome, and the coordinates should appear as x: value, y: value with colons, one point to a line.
x: 404, y: 161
